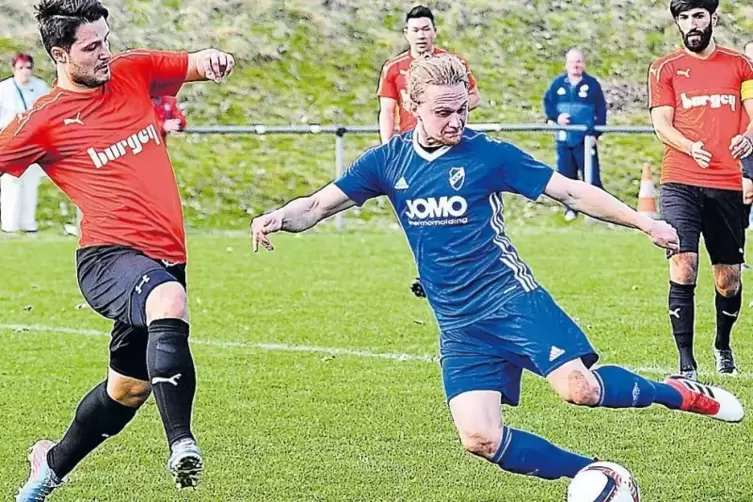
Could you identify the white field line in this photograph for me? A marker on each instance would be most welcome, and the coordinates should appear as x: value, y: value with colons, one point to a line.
x: 313, y: 349
x: 277, y: 347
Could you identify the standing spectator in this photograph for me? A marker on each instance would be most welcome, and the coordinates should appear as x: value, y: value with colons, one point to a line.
x: 576, y: 98
x: 18, y: 196
x: 420, y: 32
x: 170, y: 116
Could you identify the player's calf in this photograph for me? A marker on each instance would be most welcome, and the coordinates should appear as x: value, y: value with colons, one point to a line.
x: 728, y: 302
x: 479, y: 423
x: 97, y: 418
x: 607, y: 386
x: 173, y: 376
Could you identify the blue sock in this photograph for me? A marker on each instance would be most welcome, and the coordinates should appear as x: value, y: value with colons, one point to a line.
x: 667, y: 396
x: 521, y: 452
x: 621, y: 388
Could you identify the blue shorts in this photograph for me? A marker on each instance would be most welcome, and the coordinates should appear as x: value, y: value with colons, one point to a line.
x: 529, y: 332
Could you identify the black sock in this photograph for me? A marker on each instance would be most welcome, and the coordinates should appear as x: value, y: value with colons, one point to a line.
x: 682, y: 317
x: 172, y: 375
x: 727, y: 311
x: 98, y: 417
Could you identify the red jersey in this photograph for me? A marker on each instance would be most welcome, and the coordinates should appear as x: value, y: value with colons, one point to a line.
x: 166, y: 108
x: 104, y: 151
x: 707, y: 96
x: 393, y: 83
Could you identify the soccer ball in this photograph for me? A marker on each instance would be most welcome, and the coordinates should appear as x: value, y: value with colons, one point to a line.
x: 603, y: 482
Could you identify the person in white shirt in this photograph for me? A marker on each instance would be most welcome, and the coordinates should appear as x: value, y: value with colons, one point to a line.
x: 18, y: 196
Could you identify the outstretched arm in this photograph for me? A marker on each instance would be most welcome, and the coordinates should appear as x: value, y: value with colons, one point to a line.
x: 299, y: 214
x: 599, y: 204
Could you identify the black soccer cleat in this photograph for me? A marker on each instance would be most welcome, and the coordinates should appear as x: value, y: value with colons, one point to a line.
x: 417, y: 288
x: 725, y: 362
x: 689, y: 372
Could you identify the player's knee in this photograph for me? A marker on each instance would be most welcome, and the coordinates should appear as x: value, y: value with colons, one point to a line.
x: 580, y: 389
x: 167, y: 301
x: 685, y: 268
x: 131, y: 393
x: 728, y: 283
x: 481, y: 442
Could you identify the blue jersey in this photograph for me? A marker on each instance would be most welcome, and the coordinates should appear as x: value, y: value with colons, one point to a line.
x: 449, y: 203
x: 584, y: 102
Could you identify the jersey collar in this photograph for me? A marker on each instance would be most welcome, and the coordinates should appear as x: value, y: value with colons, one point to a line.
x: 429, y: 157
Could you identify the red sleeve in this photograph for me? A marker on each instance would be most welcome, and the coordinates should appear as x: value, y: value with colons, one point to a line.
x: 660, y: 89
x: 164, y: 72
x: 21, y: 145
x: 387, y: 87
x: 471, y: 80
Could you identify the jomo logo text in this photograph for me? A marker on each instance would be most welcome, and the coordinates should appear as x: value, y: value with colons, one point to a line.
x: 435, y: 211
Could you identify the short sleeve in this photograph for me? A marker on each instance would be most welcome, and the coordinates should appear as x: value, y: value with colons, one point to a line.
x: 660, y: 89
x: 387, y: 87
x: 519, y: 172
x: 21, y: 145
x: 362, y: 181
x: 165, y: 72
x: 471, y: 79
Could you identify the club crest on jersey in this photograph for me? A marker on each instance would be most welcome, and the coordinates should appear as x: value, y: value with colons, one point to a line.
x: 457, y: 177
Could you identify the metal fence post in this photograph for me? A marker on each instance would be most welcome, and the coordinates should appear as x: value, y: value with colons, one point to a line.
x: 339, y: 166
x: 588, y: 161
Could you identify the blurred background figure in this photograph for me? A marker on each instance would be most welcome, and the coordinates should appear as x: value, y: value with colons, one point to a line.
x: 18, y: 196
x: 420, y: 32
x: 576, y: 98
x: 170, y: 116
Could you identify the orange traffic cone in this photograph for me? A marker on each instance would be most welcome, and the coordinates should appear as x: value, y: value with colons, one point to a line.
x: 647, y: 193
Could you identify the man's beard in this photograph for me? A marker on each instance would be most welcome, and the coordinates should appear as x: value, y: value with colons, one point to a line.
x: 701, y: 43
x: 90, y: 81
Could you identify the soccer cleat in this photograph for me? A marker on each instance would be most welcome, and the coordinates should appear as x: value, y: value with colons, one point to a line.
x: 185, y: 464
x: 570, y: 215
x: 41, y: 480
x: 707, y: 400
x: 725, y: 362
x: 417, y: 288
x: 689, y: 372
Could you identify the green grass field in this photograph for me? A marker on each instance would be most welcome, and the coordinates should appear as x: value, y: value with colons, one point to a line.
x: 317, y: 379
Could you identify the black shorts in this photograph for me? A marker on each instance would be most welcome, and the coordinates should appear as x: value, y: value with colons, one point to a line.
x: 115, y: 282
x: 718, y: 215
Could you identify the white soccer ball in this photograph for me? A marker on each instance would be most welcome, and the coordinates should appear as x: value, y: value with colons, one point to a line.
x: 603, y: 482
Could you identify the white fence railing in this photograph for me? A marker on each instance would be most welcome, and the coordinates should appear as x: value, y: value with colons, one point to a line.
x: 340, y: 131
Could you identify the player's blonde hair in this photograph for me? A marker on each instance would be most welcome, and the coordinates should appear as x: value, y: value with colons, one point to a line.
x: 442, y: 69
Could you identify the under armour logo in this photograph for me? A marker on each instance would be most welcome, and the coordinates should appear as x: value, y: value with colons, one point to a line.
x: 675, y: 312
x: 172, y: 380
x: 684, y: 73
x: 169, y: 264
x: 76, y: 120
x: 734, y: 314
x: 144, y: 280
